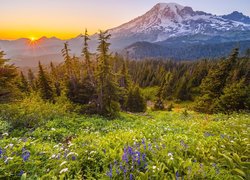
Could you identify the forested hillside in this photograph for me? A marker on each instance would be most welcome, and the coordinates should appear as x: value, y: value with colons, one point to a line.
x: 104, y: 116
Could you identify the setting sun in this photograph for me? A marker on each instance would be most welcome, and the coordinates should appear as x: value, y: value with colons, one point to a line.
x: 32, y: 38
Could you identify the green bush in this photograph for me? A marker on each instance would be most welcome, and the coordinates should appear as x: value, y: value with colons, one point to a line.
x: 136, y: 101
x: 32, y: 111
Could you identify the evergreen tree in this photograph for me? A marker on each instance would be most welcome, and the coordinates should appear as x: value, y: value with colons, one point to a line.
x: 182, y: 90
x: 212, y: 86
x: 107, y: 87
x: 56, y: 82
x: 159, y: 104
x: 124, y: 83
x: 8, y: 74
x: 31, y: 80
x: 23, y: 84
x: 86, y: 55
x: 44, y: 84
x: 136, y: 102
x: 235, y: 97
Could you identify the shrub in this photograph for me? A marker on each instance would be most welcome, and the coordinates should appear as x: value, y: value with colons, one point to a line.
x: 32, y: 111
x: 135, y: 101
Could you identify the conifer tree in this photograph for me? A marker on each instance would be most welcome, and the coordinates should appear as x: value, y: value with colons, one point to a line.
x: 31, y: 80
x: 159, y: 104
x: 124, y: 83
x: 212, y: 86
x: 86, y: 55
x: 236, y: 97
x: 44, y: 84
x: 23, y: 84
x: 55, y: 78
x: 8, y: 75
x: 107, y: 87
x: 136, y: 102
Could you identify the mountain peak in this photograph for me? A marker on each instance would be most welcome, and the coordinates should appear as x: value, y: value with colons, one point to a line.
x: 237, y: 16
x: 170, y: 5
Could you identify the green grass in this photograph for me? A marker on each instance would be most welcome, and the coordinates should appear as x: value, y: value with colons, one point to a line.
x: 153, y: 145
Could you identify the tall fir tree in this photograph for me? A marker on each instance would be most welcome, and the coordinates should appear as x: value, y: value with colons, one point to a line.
x: 107, y: 87
x: 55, y: 79
x: 44, y: 84
x: 135, y: 101
x: 8, y: 79
x: 212, y: 86
x: 23, y: 84
x: 124, y: 83
x: 32, y: 80
x: 159, y: 104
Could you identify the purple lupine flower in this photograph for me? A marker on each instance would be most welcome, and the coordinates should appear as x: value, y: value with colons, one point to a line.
x: 125, y: 170
x: 143, y: 141
x: 177, y: 175
x: 26, y: 156
x: 121, y: 167
x: 117, y: 171
x: 144, y: 157
x: 125, y: 157
x: 21, y: 173
x: 131, y: 177
x: 130, y: 150
x: 109, y: 173
x: 1, y: 152
x: 104, y: 150
x: 73, y: 158
x: 149, y: 146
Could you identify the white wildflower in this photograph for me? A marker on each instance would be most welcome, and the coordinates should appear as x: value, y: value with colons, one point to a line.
x: 64, y: 162
x: 72, y: 153
x: 64, y: 170
x: 170, y: 154
x: 92, y: 152
x: 53, y: 156
x: 7, y: 159
x: 5, y: 134
x: 9, y: 145
x: 56, y: 146
x: 154, y: 167
x: 53, y: 129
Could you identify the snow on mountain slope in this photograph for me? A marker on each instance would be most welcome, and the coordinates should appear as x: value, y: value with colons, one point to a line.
x: 166, y: 20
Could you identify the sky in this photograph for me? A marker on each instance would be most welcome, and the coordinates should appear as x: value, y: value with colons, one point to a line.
x: 68, y: 18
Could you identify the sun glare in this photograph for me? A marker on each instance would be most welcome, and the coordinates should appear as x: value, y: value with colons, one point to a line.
x: 32, y: 39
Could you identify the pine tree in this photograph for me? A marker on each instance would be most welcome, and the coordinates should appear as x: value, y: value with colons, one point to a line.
x: 8, y: 75
x: 23, y: 84
x: 212, y: 86
x: 136, y: 102
x: 32, y: 80
x: 55, y: 78
x: 44, y: 84
x: 107, y: 87
x: 235, y: 97
x: 86, y: 55
x: 159, y: 104
x: 124, y: 83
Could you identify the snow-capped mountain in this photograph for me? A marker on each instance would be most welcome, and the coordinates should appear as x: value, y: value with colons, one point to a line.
x: 237, y: 16
x: 165, y: 22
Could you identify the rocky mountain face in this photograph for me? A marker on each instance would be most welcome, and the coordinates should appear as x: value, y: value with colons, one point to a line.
x: 164, y: 24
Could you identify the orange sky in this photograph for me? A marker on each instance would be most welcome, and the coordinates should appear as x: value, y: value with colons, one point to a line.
x: 68, y: 18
